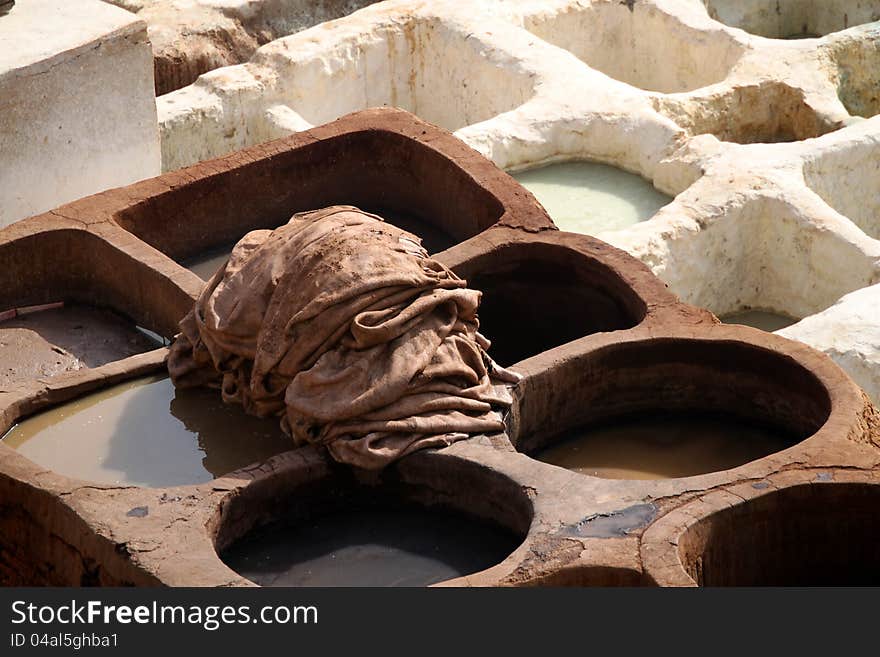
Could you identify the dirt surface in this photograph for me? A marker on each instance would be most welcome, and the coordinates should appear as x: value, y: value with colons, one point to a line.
x: 67, y: 339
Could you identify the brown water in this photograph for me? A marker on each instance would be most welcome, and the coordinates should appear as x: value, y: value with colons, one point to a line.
x: 664, y: 447
x: 67, y: 339
x: 206, y: 264
x: 762, y: 319
x: 376, y: 547
x: 146, y: 433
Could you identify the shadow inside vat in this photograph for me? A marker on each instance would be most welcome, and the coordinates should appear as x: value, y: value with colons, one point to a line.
x: 538, y: 295
x: 424, y: 520
x: 806, y: 535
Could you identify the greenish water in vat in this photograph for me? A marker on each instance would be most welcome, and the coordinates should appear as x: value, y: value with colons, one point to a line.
x: 589, y: 198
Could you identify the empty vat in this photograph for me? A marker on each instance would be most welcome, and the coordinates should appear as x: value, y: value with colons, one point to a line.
x: 639, y: 44
x: 762, y: 112
x: 793, y: 19
x: 537, y: 296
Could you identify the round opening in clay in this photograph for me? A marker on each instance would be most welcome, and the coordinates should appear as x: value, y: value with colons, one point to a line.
x: 538, y: 296
x: 101, y: 306
x: 145, y: 432
x: 793, y: 19
x: 668, y: 408
x: 420, y: 529
x: 822, y: 534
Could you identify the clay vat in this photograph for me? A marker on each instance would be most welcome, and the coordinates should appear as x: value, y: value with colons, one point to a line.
x: 589, y: 197
x: 82, y: 315
x: 415, y: 60
x: 765, y: 112
x: 405, y: 527
x: 817, y: 530
x: 792, y: 19
x: 762, y: 319
x: 145, y: 432
x: 640, y: 45
x: 549, y: 289
x: 806, y: 535
x: 680, y: 392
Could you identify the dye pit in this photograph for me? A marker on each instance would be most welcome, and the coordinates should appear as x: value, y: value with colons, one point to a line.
x: 565, y: 303
x: 146, y: 433
x: 589, y: 198
x: 664, y: 447
x: 761, y: 319
x: 66, y: 339
x: 205, y: 264
x: 390, y: 547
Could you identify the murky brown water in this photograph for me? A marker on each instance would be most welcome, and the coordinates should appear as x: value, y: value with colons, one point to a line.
x: 766, y: 321
x: 146, y: 433
x: 664, y: 447
x: 377, y: 547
